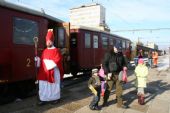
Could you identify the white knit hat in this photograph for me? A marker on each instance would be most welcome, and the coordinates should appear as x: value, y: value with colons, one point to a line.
x: 95, y: 70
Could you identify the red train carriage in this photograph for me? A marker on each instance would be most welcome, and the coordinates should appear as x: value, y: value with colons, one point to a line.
x: 18, y: 27
x: 88, y: 45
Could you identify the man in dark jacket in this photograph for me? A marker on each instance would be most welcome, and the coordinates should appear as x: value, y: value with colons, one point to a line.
x: 114, y: 62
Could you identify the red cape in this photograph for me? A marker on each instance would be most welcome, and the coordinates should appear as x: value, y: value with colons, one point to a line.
x: 48, y: 75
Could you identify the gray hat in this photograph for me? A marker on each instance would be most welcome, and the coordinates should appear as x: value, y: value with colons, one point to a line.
x: 95, y: 70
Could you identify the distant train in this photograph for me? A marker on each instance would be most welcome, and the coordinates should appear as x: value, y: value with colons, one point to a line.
x: 82, y: 48
x: 145, y: 50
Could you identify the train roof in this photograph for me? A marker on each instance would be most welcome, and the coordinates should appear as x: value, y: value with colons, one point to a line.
x: 96, y: 30
x: 6, y: 4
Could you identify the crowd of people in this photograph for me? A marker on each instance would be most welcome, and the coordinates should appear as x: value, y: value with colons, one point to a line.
x: 113, y: 69
x: 111, y: 74
x: 152, y: 58
x: 113, y: 64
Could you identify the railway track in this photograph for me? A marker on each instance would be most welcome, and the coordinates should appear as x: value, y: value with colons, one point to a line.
x: 24, y: 89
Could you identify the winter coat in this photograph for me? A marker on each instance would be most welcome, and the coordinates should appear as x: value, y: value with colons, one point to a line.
x: 110, y: 58
x: 94, y: 81
x: 141, y: 72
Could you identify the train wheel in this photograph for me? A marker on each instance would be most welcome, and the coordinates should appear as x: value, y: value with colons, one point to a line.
x: 10, y: 92
x: 87, y: 72
x: 3, y: 89
x: 25, y: 89
x: 6, y: 94
x: 74, y: 70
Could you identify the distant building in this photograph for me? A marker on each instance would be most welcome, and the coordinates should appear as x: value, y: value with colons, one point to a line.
x: 152, y: 45
x: 92, y: 15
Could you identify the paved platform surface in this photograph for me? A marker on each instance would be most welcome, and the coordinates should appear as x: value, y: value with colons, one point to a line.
x: 76, y: 98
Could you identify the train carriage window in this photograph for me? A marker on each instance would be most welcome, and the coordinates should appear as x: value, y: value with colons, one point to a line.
x: 61, y: 37
x: 95, y: 41
x: 127, y: 44
x: 119, y: 42
x: 104, y: 42
x: 24, y: 31
x: 87, y: 40
x: 123, y: 44
x: 110, y: 41
x: 114, y: 41
x: 73, y: 40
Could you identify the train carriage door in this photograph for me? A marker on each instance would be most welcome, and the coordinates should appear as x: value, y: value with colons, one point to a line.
x: 73, y: 53
x: 62, y: 38
x: 86, y: 54
x: 96, y: 50
x: 23, y: 50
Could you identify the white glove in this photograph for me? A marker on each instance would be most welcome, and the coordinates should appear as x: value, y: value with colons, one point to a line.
x: 37, y: 59
x: 109, y: 76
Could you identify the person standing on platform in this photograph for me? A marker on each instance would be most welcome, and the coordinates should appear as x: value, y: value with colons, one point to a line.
x: 113, y: 64
x: 94, y: 85
x: 155, y: 58
x: 150, y: 58
x: 140, y: 55
x: 50, y: 72
x: 141, y: 72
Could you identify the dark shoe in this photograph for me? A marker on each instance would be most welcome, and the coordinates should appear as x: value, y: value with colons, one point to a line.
x: 91, y: 107
x: 104, y: 105
x: 40, y: 103
x: 55, y: 101
x: 142, y: 100
x: 96, y: 108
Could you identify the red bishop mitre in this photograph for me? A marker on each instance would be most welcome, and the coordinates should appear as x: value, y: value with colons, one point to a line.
x: 50, y: 35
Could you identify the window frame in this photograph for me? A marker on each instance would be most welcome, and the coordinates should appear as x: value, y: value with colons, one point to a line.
x: 87, y: 40
x: 95, y: 45
x: 63, y: 45
x: 24, y: 35
x: 104, y: 39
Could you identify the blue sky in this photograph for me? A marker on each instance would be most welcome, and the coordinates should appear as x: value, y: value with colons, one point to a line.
x: 120, y: 15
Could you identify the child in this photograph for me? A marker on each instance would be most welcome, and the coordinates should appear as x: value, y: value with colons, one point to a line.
x: 141, y: 72
x: 103, y: 81
x: 94, y: 85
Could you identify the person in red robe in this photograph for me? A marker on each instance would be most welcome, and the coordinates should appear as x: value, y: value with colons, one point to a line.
x: 50, y: 72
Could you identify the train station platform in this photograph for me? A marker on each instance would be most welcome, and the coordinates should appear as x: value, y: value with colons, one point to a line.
x: 76, y: 97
